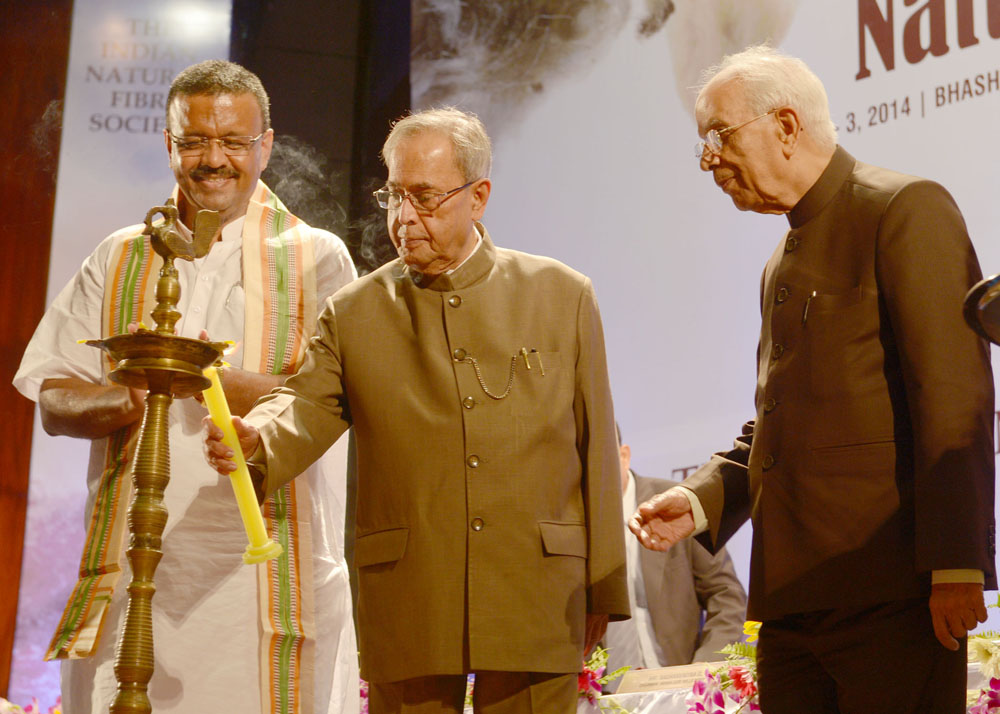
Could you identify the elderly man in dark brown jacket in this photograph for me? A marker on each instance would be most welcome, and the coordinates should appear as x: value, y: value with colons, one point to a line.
x: 868, y: 471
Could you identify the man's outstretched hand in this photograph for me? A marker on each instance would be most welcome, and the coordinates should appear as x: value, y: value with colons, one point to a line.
x: 663, y: 520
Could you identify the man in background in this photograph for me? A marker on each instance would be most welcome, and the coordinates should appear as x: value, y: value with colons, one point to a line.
x: 687, y: 604
x: 868, y: 471
x: 221, y: 642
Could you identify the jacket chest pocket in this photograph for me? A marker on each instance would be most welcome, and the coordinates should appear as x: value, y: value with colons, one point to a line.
x: 819, y: 304
x: 840, y: 332
x: 537, y: 382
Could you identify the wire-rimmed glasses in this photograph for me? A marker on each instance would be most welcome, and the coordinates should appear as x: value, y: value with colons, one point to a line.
x: 428, y: 201
x: 230, y: 145
x: 715, y: 138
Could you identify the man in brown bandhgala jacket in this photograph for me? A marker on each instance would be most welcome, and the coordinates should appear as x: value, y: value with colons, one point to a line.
x: 868, y: 470
x: 488, y: 534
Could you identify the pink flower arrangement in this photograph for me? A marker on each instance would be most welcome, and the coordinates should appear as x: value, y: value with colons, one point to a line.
x: 588, y: 683
x: 744, y: 682
x: 595, y: 675
x: 364, y: 697
x: 706, y: 696
x: 989, y: 699
x: 733, y: 682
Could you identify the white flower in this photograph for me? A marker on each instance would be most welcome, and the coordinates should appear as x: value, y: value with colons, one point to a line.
x: 987, y: 653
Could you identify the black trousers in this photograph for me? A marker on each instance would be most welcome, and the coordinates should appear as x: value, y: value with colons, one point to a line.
x: 871, y: 660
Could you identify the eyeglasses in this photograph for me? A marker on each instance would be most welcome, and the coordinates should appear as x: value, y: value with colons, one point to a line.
x: 230, y: 145
x: 715, y: 137
x: 421, y: 200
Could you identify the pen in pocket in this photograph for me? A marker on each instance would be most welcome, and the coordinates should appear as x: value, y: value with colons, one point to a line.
x: 805, y: 310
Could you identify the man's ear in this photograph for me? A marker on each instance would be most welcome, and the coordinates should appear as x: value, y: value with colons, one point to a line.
x: 266, y: 144
x: 625, y: 452
x: 480, y: 197
x: 789, y: 127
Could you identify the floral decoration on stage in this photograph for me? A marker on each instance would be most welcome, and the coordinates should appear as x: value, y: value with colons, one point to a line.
x: 33, y: 708
x: 984, y: 649
x: 731, y: 686
x: 594, y: 675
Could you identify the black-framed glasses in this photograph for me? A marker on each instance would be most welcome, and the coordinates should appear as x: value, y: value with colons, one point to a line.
x: 230, y: 145
x: 715, y: 138
x: 428, y: 201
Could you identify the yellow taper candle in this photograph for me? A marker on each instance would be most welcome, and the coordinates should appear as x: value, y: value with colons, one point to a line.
x: 261, y: 547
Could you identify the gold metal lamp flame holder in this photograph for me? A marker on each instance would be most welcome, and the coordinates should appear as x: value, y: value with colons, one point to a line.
x: 163, y: 364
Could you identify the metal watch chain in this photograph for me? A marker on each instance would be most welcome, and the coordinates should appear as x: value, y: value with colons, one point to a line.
x: 479, y: 376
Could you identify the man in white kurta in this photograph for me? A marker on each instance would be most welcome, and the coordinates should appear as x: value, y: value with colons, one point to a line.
x: 205, y: 608
x: 213, y: 647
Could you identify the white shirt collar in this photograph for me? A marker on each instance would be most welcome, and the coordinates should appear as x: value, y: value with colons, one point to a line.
x: 479, y: 242
x: 628, y: 497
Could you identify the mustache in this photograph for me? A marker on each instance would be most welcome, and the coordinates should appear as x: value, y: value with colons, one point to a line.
x: 208, y: 172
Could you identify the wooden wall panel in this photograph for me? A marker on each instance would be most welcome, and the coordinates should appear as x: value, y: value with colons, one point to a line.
x: 34, y: 47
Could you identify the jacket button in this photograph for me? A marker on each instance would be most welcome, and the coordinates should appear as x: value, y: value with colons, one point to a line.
x: 455, y: 300
x: 472, y: 461
x: 468, y: 403
x: 777, y: 351
x: 477, y: 524
x: 768, y: 462
x: 791, y: 244
x: 458, y: 354
x: 781, y: 295
x: 769, y: 405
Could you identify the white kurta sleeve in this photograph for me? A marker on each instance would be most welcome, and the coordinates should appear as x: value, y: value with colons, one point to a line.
x: 54, y: 350
x: 334, y: 267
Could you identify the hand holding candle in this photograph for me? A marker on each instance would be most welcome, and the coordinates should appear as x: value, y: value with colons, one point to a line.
x: 261, y: 547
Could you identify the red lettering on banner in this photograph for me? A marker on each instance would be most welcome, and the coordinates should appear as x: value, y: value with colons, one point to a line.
x: 924, y: 31
x: 966, y: 24
x: 913, y: 49
x: 969, y: 88
x: 870, y: 18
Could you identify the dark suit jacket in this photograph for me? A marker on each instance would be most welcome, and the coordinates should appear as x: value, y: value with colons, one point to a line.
x: 870, y: 462
x: 681, y: 584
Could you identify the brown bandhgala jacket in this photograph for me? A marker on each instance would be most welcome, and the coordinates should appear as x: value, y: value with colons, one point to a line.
x: 870, y: 462
x: 491, y: 521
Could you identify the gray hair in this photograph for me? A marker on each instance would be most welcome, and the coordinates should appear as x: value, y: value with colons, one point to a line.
x: 772, y: 80
x: 473, y: 151
x: 215, y: 77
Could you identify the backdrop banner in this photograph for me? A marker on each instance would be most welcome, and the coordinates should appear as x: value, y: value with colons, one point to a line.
x: 113, y: 167
x: 590, y: 105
